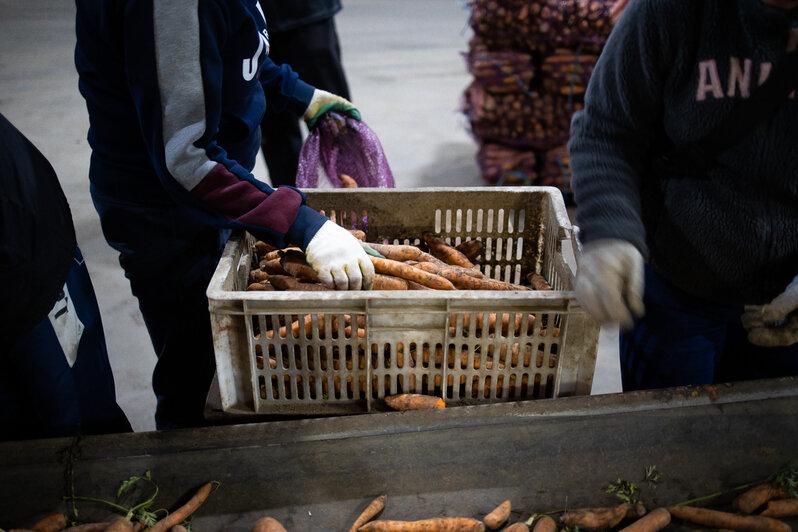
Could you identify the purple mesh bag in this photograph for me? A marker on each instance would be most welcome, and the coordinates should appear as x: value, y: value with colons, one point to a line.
x: 338, y: 145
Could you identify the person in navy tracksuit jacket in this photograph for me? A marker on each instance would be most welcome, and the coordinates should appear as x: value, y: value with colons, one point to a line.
x: 676, y: 252
x: 55, y: 377
x: 175, y: 91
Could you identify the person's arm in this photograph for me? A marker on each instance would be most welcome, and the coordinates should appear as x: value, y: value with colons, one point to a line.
x: 611, y: 138
x: 610, y: 143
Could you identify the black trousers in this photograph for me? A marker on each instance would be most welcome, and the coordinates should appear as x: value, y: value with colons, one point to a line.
x: 314, y: 53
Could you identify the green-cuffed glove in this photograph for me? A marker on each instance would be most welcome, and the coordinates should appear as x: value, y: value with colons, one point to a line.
x: 322, y: 102
x: 776, y: 323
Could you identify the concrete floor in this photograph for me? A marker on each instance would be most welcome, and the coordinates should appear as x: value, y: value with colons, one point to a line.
x: 404, y: 62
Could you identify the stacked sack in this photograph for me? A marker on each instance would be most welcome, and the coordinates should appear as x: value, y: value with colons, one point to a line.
x: 530, y: 61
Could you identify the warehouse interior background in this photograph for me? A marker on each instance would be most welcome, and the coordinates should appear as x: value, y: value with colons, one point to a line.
x: 405, y: 67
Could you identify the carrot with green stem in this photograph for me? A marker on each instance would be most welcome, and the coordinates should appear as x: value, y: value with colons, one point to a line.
x: 182, y: 513
x: 140, y: 512
x: 373, y: 508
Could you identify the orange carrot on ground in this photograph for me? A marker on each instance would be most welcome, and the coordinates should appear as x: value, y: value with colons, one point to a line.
x: 388, y: 282
x: 498, y: 516
x: 51, y: 523
x: 781, y: 508
x: 400, y: 252
x: 727, y: 520
x: 448, y: 254
x: 414, y: 401
x: 268, y: 524
x: 182, y: 513
x: 472, y: 249
x: 653, y: 521
x: 600, y: 518
x: 437, y: 524
x: 374, y: 507
x: 545, y: 524
x: 347, y: 181
x: 399, y: 269
x: 757, y: 496
x: 517, y: 527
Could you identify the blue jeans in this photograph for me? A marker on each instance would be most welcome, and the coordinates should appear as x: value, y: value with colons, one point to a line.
x: 683, y: 340
x: 53, y: 383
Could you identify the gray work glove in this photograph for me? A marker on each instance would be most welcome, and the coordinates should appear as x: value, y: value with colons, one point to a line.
x: 775, y: 323
x: 339, y: 259
x: 609, y: 282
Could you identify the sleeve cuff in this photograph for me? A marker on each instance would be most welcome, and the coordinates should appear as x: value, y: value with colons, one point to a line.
x: 305, y: 226
x: 301, y: 98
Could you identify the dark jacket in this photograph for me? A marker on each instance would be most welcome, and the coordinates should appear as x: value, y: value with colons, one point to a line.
x: 286, y: 15
x: 37, y: 237
x: 175, y: 91
x: 670, y: 72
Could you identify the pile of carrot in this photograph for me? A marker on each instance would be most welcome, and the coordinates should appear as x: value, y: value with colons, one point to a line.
x: 436, y: 265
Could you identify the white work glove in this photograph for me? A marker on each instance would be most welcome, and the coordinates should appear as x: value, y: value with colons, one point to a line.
x: 775, y: 323
x: 609, y: 282
x: 323, y: 101
x: 339, y: 259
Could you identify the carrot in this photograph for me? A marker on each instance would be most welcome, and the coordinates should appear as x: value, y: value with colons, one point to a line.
x: 374, y: 507
x: 260, y: 287
x: 414, y: 401
x: 400, y: 252
x: 728, y: 520
x: 498, y: 516
x: 448, y: 254
x: 275, y: 253
x: 294, y: 262
x: 357, y: 233
x: 538, y: 282
x: 51, y: 523
x: 427, y: 257
x: 599, y: 518
x: 347, y: 181
x: 472, y: 249
x: 120, y: 524
x: 285, y: 282
x: 260, y: 248
x: 651, y: 522
x: 437, y: 524
x: 268, y: 524
x: 88, y: 527
x: 781, y: 508
x: 544, y: 524
x: 399, y: 269
x: 521, y: 527
x: 182, y: 513
x: 388, y: 282
x: 757, y: 496
x: 272, y: 267
x: 412, y: 285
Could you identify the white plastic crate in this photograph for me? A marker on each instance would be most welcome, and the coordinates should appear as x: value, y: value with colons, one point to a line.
x: 435, y: 342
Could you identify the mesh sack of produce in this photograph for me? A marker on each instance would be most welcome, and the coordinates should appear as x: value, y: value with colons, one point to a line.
x: 567, y: 72
x: 337, y: 145
x: 505, y: 165
x: 506, y: 71
x: 555, y: 169
x: 535, y: 120
x: 541, y: 24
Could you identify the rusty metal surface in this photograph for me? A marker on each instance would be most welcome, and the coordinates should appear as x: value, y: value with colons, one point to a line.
x: 317, y: 474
